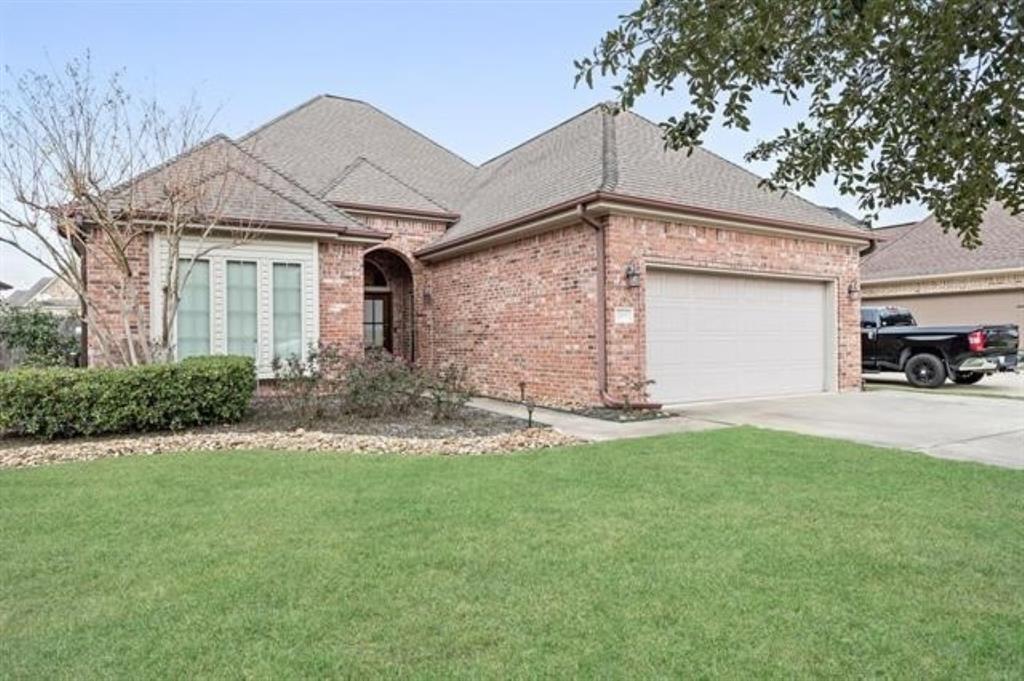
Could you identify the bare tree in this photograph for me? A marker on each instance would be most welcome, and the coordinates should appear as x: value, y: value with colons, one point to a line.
x: 86, y: 167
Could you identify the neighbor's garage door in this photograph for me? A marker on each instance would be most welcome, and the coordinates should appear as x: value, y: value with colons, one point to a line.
x: 713, y: 336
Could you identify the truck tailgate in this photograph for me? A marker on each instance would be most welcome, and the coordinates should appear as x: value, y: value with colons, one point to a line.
x: 1001, y: 339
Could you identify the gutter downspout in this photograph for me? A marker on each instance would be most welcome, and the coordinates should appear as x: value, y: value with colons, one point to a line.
x: 601, y: 314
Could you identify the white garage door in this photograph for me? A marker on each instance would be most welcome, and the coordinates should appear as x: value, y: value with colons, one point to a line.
x: 713, y: 336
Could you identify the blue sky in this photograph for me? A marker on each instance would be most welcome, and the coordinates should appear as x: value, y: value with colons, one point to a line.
x: 477, y: 77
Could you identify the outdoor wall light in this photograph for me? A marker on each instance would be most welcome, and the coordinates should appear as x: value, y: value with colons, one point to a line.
x: 632, y: 275
x: 853, y: 291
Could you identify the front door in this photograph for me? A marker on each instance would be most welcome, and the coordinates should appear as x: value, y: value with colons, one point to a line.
x: 377, y: 321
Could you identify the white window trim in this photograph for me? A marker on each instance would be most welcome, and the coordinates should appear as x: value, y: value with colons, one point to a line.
x: 264, y: 252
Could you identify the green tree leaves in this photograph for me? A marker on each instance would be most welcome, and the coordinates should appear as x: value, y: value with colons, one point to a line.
x: 908, y: 100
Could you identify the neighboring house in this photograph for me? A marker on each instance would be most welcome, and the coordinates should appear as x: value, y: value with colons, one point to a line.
x: 920, y: 267
x: 583, y: 262
x: 49, y: 294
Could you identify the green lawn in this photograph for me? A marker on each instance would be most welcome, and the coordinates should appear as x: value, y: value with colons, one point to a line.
x: 734, y: 553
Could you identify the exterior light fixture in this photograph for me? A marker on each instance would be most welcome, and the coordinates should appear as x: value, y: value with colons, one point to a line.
x: 853, y: 291
x: 632, y: 275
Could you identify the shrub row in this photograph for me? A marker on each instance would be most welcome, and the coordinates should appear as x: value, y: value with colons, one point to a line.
x: 370, y: 384
x: 64, y: 402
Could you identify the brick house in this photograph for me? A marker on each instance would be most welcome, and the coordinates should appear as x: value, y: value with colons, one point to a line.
x: 583, y: 262
x: 920, y: 267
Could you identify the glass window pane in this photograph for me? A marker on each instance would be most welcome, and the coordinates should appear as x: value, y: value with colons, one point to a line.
x: 287, y: 309
x: 193, y: 322
x: 241, y: 312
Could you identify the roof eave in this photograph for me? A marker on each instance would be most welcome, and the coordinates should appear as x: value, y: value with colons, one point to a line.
x: 932, y: 276
x: 280, y: 226
x: 606, y: 202
x: 391, y: 211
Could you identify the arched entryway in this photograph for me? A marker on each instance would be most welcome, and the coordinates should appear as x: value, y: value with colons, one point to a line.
x: 388, y: 316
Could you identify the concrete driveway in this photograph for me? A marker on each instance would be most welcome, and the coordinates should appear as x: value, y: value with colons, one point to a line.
x: 947, y: 426
x: 1009, y: 384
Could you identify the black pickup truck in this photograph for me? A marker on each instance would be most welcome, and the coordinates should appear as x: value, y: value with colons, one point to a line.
x: 891, y: 340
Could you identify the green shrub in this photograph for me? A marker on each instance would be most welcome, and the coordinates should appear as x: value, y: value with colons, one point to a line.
x: 449, y: 391
x: 67, y: 402
x: 307, y: 388
x: 380, y: 384
x: 38, y: 338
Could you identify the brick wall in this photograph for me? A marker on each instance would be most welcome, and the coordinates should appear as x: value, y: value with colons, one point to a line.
x: 407, y: 236
x: 519, y: 312
x: 638, y: 240
x: 109, y: 290
x: 341, y: 295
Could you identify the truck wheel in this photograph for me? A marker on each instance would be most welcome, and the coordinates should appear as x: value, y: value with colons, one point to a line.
x: 925, y: 371
x: 967, y: 377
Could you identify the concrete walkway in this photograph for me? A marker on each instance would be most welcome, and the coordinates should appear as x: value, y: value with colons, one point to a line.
x: 948, y: 426
x: 596, y: 430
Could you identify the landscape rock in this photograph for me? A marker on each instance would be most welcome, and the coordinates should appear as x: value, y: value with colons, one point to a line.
x: 86, y: 449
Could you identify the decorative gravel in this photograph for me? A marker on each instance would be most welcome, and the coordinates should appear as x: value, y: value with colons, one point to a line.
x: 40, y: 453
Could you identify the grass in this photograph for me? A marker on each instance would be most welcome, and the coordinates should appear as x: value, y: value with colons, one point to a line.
x: 734, y: 553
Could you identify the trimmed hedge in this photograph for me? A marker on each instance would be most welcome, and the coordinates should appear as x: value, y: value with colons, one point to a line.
x: 62, y: 402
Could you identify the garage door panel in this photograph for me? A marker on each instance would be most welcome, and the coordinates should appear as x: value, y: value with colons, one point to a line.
x: 712, y: 336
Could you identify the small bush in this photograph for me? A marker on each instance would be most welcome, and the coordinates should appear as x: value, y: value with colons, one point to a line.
x: 38, y: 338
x: 307, y: 388
x: 68, y: 402
x: 449, y: 392
x: 380, y: 384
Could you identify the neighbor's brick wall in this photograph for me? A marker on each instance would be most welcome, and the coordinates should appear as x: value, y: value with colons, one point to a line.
x: 108, y: 288
x: 522, y: 311
x: 341, y: 295
x: 998, y: 282
x: 632, y: 239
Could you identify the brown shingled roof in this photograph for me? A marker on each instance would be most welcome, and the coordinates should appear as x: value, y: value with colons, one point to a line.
x: 364, y: 183
x: 228, y: 183
x: 625, y: 155
x: 923, y: 249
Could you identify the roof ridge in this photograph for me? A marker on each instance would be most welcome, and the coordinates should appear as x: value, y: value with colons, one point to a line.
x: 609, y: 151
x: 404, y: 184
x: 404, y: 125
x: 702, y: 148
x: 280, y: 116
x: 276, y: 192
x: 168, y: 162
x: 554, y: 127
x: 345, y: 172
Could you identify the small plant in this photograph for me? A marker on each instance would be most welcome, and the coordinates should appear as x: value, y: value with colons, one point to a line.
x: 379, y: 383
x: 308, y: 386
x: 640, y: 389
x: 449, y: 391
